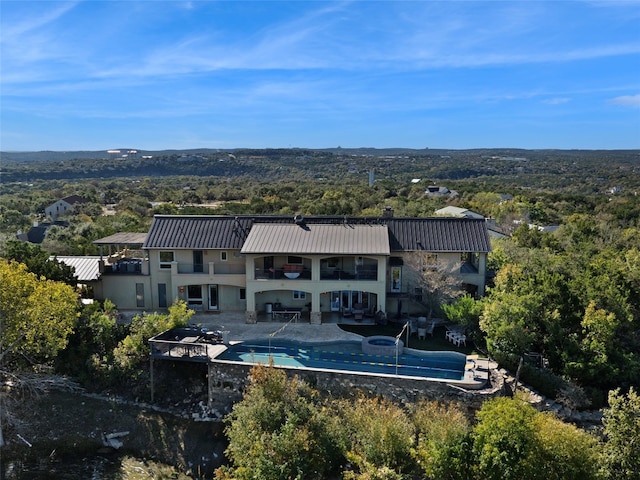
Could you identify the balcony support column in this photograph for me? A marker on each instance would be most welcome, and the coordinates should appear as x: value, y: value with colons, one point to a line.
x: 315, y: 318
x: 252, y: 316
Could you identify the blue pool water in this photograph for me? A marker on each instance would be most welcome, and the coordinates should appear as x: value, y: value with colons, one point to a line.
x: 347, y: 356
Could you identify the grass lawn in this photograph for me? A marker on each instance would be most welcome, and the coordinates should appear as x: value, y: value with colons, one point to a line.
x: 435, y: 342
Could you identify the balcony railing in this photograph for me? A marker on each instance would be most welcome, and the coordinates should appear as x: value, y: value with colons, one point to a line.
x: 282, y: 273
x: 193, y: 267
x: 215, y: 268
x: 362, y: 273
x: 329, y: 274
x: 124, y: 266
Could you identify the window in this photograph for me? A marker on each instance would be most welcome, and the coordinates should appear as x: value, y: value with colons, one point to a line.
x: 194, y: 296
x: 396, y: 279
x: 417, y: 294
x: 243, y: 294
x: 298, y: 295
x: 294, y: 260
x: 140, y: 295
x: 471, y: 258
x: 165, y: 259
x: 223, y: 256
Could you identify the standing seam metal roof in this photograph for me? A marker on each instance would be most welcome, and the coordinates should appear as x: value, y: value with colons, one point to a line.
x: 434, y: 234
x: 87, y: 268
x: 197, y: 232
x: 439, y: 234
x: 318, y: 239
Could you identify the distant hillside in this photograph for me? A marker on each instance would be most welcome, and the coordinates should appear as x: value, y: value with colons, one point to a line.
x: 55, y: 156
x: 522, y: 167
x: 48, y: 155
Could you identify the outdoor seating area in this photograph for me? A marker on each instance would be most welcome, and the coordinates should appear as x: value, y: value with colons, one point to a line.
x: 284, y: 314
x: 421, y: 327
x: 457, y: 337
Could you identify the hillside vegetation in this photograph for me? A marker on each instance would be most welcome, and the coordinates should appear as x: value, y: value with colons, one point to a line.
x: 564, y: 301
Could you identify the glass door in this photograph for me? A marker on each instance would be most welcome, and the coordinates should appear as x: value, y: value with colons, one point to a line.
x: 213, y: 297
x: 335, y: 301
x: 194, y: 297
x: 198, y: 261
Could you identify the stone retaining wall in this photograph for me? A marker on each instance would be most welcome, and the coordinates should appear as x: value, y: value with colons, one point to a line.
x: 227, y: 383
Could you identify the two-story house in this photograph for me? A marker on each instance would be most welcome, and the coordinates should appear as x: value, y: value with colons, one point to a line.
x: 260, y: 264
x: 63, y: 206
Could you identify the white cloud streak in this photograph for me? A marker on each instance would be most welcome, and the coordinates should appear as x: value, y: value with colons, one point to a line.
x: 627, y: 101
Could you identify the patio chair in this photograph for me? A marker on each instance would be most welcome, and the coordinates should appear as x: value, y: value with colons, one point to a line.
x: 358, y: 312
x: 431, y: 327
x: 422, y: 333
x: 413, y: 326
x: 460, y: 339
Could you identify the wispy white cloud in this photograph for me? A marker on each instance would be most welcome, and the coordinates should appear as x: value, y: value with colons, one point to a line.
x: 33, y: 22
x: 556, y: 101
x: 402, y: 62
x: 416, y: 36
x: 627, y: 101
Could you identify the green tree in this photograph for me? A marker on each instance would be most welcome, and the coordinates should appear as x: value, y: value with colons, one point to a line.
x: 381, y: 437
x: 508, y: 319
x: 36, y: 315
x: 444, y: 445
x: 565, y: 451
x: 89, y: 355
x: 36, y: 318
x: 465, y: 311
x: 38, y: 262
x: 281, y: 430
x: 134, y: 348
x: 512, y: 440
x: 621, y: 455
x: 504, y: 441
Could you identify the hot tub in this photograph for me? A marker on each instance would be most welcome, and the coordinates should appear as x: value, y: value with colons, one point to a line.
x: 382, y: 345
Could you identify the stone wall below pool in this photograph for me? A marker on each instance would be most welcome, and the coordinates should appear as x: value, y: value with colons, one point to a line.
x: 227, y: 383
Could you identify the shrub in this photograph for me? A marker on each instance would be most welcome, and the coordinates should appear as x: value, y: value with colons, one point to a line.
x: 280, y: 430
x: 381, y: 436
x: 444, y: 443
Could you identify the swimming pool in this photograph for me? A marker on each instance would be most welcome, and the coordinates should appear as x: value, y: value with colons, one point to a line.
x: 347, y: 356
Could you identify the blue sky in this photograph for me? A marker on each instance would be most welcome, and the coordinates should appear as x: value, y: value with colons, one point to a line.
x: 93, y: 75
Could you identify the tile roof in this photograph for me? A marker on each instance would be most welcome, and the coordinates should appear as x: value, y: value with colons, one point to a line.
x: 317, y: 239
x: 433, y: 234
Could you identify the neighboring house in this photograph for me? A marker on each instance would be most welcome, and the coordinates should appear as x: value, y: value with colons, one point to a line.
x: 436, y: 191
x: 38, y: 232
x: 257, y: 264
x: 457, y: 212
x: 63, y: 206
x: 494, y: 230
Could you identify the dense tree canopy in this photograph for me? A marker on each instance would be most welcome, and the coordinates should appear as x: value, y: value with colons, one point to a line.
x: 621, y: 456
x: 285, y: 429
x: 38, y: 262
x: 36, y: 316
x: 572, y: 296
